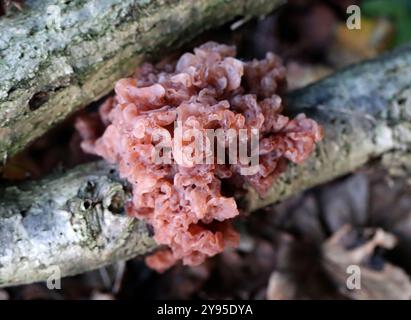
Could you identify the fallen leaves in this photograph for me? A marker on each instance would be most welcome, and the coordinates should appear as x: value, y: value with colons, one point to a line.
x: 377, y: 279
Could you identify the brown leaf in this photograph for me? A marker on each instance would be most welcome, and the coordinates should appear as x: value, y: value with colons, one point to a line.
x: 377, y: 279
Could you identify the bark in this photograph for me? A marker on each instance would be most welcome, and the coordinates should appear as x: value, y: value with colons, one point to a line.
x: 366, y: 113
x: 72, y: 221
x: 58, y: 56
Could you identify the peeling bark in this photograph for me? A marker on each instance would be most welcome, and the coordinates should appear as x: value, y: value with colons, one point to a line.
x: 366, y: 113
x: 57, y: 56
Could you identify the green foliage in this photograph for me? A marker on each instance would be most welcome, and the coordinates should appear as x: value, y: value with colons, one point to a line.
x: 398, y: 11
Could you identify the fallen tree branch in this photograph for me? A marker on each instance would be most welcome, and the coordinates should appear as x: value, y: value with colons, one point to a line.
x: 58, y: 56
x: 69, y: 220
x: 366, y: 113
x: 73, y: 221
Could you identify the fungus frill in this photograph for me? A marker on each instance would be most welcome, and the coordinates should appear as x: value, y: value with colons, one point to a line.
x: 207, y: 89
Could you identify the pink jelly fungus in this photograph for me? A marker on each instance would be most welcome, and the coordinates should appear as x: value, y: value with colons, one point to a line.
x: 207, y: 89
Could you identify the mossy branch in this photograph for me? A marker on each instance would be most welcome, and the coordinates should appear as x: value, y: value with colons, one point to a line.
x: 73, y: 220
x: 57, y: 56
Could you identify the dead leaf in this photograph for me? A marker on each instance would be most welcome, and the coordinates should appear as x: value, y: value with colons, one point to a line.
x: 378, y: 279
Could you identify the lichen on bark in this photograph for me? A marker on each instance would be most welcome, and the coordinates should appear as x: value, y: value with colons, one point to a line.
x: 365, y: 112
x: 57, y: 56
x: 73, y: 221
